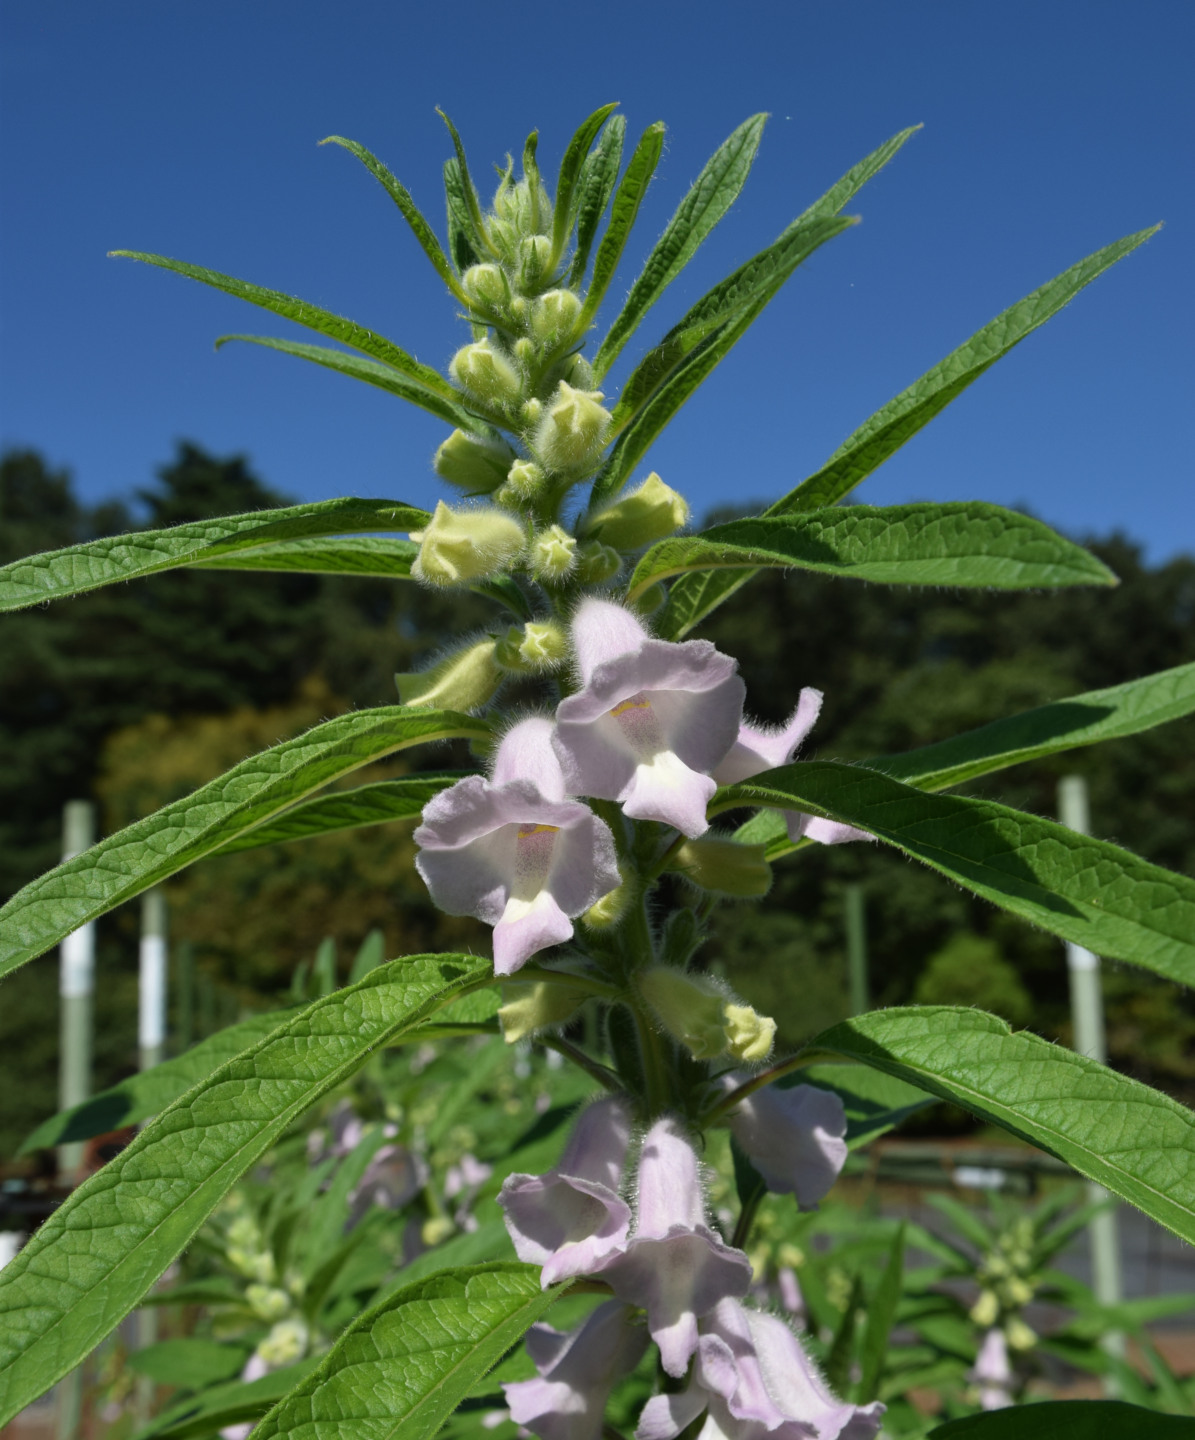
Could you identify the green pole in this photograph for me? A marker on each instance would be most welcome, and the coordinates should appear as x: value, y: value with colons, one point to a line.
x: 76, y: 984
x: 856, y: 948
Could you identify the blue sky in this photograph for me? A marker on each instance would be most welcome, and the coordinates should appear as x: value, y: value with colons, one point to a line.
x: 189, y: 129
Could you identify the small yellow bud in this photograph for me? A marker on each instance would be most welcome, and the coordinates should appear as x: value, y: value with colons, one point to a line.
x: 648, y: 514
x: 530, y: 412
x: 579, y: 373
x: 573, y: 428
x: 286, y: 1343
x: 477, y: 466
x: 553, y: 554
x: 986, y: 1309
x: 609, y: 910
x: 464, y: 680
x: 597, y: 563
x: 436, y: 1230
x: 749, y: 1035
x: 486, y: 373
x: 554, y: 314
x: 724, y: 866
x: 1018, y: 1292
x: 689, y: 1007
x: 531, y: 1007
x: 538, y: 645
x: 522, y: 484
x: 1019, y: 1335
x: 463, y: 545
x: 524, y: 352
x: 267, y: 1302
x: 535, y: 254
x: 791, y: 1255
x: 487, y: 285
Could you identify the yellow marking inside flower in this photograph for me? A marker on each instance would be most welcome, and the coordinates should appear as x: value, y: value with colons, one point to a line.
x: 636, y: 702
x: 525, y: 830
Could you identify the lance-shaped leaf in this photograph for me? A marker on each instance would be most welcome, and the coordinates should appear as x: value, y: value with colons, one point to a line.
x: 93, y: 1259
x: 1068, y: 1420
x: 968, y: 543
x: 200, y: 1416
x: 151, y: 850
x: 57, y: 573
x: 709, y: 198
x: 627, y: 199
x: 570, y: 172
x: 463, y: 245
x: 468, y: 191
x: 1136, y: 1142
x: 887, y: 430
x: 1087, y: 891
x: 599, y: 174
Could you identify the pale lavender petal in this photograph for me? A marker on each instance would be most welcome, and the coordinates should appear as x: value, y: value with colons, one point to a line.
x: 790, y: 1292
x: 992, y: 1372
x: 602, y: 630
x: 526, y: 927
x: 525, y: 753
x: 762, y: 747
x: 665, y: 1416
x: 794, y: 1137
x: 668, y: 791
x: 826, y: 832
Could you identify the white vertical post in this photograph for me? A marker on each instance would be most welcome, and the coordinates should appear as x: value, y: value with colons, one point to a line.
x: 76, y: 983
x: 151, y: 993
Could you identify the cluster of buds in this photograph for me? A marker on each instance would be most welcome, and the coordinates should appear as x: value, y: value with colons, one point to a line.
x: 1008, y: 1283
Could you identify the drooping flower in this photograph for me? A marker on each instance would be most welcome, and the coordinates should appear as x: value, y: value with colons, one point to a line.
x: 572, y: 1219
x: 651, y: 720
x: 514, y: 851
x: 675, y: 1266
x: 794, y: 1137
x: 577, y: 1371
x: 992, y: 1372
x: 764, y: 747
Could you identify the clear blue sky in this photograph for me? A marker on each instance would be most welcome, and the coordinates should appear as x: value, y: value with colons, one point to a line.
x: 189, y: 129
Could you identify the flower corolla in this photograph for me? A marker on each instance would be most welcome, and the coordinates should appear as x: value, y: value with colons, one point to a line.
x: 992, y: 1372
x: 457, y: 546
x: 794, y: 1137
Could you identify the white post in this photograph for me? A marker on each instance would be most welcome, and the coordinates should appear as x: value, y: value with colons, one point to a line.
x: 76, y: 983
x: 151, y: 1016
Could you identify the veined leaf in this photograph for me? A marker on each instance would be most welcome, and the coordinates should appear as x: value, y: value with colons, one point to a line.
x: 843, y: 191
x: 887, y: 430
x: 627, y: 199
x: 462, y: 243
x: 450, y: 409
x: 376, y: 804
x: 1068, y: 1420
x: 1136, y: 1142
x: 570, y: 172
x: 149, y: 851
x: 189, y: 1362
x: 711, y: 195
x: 57, y: 573
x: 599, y: 174
x: 467, y: 190
x: 93, y: 1259
x: 1083, y: 890
x: 411, y: 213
x: 401, y: 1368
x: 968, y: 543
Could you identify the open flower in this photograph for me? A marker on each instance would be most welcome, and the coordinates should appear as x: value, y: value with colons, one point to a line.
x: 764, y: 747
x: 572, y: 1219
x: 577, y: 1371
x: 514, y: 851
x: 794, y: 1137
x: 992, y: 1372
x: 651, y: 720
x: 676, y: 1267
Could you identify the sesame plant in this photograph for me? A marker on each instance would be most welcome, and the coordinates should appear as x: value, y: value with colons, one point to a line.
x: 619, y: 791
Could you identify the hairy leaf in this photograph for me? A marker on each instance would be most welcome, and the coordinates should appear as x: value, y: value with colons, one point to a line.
x: 462, y: 243
x: 599, y: 175
x: 627, y: 199
x: 570, y: 171
x: 219, y: 1406
x: 468, y: 192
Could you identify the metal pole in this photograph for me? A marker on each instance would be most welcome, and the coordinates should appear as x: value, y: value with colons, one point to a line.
x: 1087, y: 1017
x: 185, y: 984
x: 151, y: 1026
x: 76, y: 983
x: 856, y: 948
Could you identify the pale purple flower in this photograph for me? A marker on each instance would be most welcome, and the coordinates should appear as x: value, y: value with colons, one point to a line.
x: 572, y: 1219
x: 764, y: 747
x: 992, y: 1372
x: 466, y: 1176
x: 577, y: 1371
x: 651, y: 720
x: 514, y: 851
x: 794, y: 1137
x: 758, y: 1384
x: 675, y: 1266
x: 790, y: 1292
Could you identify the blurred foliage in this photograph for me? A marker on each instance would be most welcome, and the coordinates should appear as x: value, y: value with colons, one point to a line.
x: 970, y: 970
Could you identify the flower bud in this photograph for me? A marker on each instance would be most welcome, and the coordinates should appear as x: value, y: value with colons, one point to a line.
x: 477, y: 466
x: 524, y: 352
x: 749, y: 1035
x: 538, y: 645
x: 579, y: 372
x: 648, y: 514
x: 553, y: 554
x: 286, y: 1343
x: 487, y: 285
x: 486, y: 373
x: 573, y: 428
x: 1019, y: 1335
x: 530, y: 412
x: 986, y: 1309
x: 531, y: 1007
x: 267, y: 1302
x: 464, y: 680
x: 554, y: 314
x: 535, y: 255
x: 689, y: 1007
x: 725, y: 866
x: 463, y: 545
x: 436, y: 1230
x: 597, y: 563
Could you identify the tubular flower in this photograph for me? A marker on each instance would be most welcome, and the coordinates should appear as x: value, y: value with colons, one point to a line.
x: 992, y: 1372
x: 577, y: 1371
x: 794, y: 1137
x: 757, y: 1381
x: 572, y: 1219
x: 651, y: 720
x: 514, y: 851
x: 762, y: 747
x: 676, y: 1267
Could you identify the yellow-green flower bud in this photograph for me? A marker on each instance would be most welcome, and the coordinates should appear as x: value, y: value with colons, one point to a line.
x: 531, y: 1007
x: 538, y: 645
x: 436, y: 1230
x: 573, y: 428
x: 477, y: 466
x: 463, y: 545
x: 597, y: 563
x: 486, y: 373
x: 267, y: 1302
x: 725, y: 866
x: 749, y: 1035
x: 553, y: 554
x: 524, y: 352
x: 487, y: 285
x: 554, y: 314
x: 524, y: 205
x: 286, y: 1343
x: 697, y: 1012
x: 1019, y: 1335
x: 986, y: 1309
x: 610, y: 909
x: 535, y: 255
x: 1018, y: 1292
x: 530, y: 412
x: 648, y: 514
x: 579, y: 373
x: 465, y: 680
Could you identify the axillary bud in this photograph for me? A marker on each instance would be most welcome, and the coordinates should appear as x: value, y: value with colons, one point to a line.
x: 465, y: 680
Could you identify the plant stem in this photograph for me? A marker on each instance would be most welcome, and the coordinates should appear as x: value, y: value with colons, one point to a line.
x: 601, y: 1073
x: 766, y: 1077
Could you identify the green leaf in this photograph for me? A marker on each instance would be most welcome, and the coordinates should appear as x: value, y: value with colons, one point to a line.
x: 191, y: 1363
x: 94, y: 1258
x: 1068, y: 1420
x: 57, y: 573
x: 1136, y: 1142
x: 403, y: 1367
x: 843, y: 191
x: 599, y: 174
x: 151, y: 850
x: 711, y: 195
x: 968, y: 543
x: 222, y: 1405
x: 449, y: 408
x: 570, y: 171
x: 1086, y: 891
x: 410, y: 211
x: 874, y: 1103
x: 467, y: 190
x: 462, y: 243
x: 627, y: 199
x: 881, y: 1313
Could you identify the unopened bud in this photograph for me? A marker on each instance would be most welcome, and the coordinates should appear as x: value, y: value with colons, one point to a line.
x: 579, y: 373
x: 573, y: 428
x: 553, y: 554
x: 648, y: 514
x: 464, y: 680
x: 610, y: 909
x: 535, y: 255
x: 538, y: 645
x: 535, y: 1006
x: 477, y: 466
x: 725, y: 866
x: 986, y: 1309
x: 554, y: 314
x: 436, y: 1230
x: 1019, y: 1335
x: 286, y: 1343
x: 1018, y: 1292
x: 524, y: 352
x: 531, y: 411
x: 486, y: 373
x: 698, y: 1013
x: 267, y: 1301
x: 597, y: 563
x: 463, y: 545
x: 487, y: 284
x: 749, y: 1035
